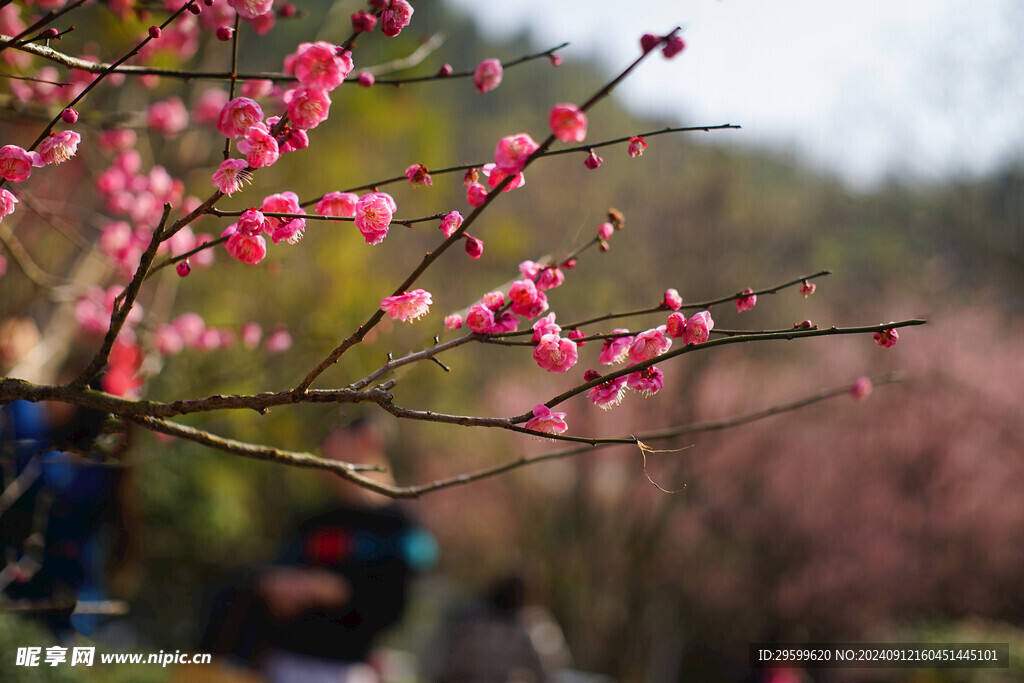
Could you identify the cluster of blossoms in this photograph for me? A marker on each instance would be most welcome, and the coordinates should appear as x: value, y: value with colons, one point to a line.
x: 136, y: 200
x: 642, y: 347
x: 190, y: 331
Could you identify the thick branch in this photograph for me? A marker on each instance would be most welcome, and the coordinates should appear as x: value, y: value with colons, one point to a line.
x: 18, y: 389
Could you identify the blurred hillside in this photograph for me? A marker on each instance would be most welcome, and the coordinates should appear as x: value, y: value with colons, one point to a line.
x: 805, y: 526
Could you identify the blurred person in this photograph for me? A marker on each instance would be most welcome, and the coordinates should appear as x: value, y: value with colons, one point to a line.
x: 68, y: 522
x: 341, y: 581
x: 494, y: 640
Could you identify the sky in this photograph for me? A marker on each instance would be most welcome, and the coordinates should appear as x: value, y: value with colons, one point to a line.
x: 922, y: 90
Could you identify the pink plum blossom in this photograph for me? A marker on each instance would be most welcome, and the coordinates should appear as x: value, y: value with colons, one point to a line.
x: 476, y: 194
x: 487, y: 75
x: 282, y: 202
x: 257, y: 88
x: 807, y: 288
x: 16, y: 164
x: 887, y: 338
x: 474, y: 247
x: 318, y: 65
x: 545, y: 325
x: 512, y: 151
x: 250, y: 9
x: 568, y: 123
x: 396, y: 17
x: 523, y: 294
x: 366, y: 79
x: 546, y: 421
x: 339, y: 204
x: 245, y: 248
x: 373, y: 216
x: 451, y: 223
x: 592, y: 161
x: 230, y: 175
x: 117, y: 139
x: 555, y: 354
x: 746, y: 300
x: 7, y: 202
x: 676, y: 326
x: 237, y: 116
x: 453, y: 321
x: 495, y: 177
x: 208, y: 108
x: 251, y: 335
x: 307, y: 107
x: 504, y: 322
x: 649, y: 344
x: 698, y: 327
x: 605, y: 231
x: 252, y: 222
x: 407, y: 306
x: 649, y: 41
x: 59, y: 147
x: 363, y: 21
x: 608, y: 394
x: 480, y: 318
x: 417, y: 174
x: 646, y: 382
x: 259, y: 146
x: 168, y: 340
x: 674, y: 46
x: 190, y: 326
x: 290, y: 232
x: 119, y: 378
x: 494, y: 300
x: 672, y: 300
x: 167, y: 117
x: 279, y: 341
x: 637, y: 145
x: 861, y: 388
x: 547, y: 277
x: 616, y: 349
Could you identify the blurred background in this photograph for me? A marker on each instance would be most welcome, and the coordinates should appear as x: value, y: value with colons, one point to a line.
x: 881, y: 142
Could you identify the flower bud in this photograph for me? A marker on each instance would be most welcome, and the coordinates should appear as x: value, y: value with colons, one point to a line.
x: 154, y: 32
x: 183, y: 268
x: 474, y: 247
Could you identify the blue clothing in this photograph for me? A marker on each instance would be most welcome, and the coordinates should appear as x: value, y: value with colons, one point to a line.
x: 65, y: 500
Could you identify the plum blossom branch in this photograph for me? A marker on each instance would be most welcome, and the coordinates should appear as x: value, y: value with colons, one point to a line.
x: 580, y: 148
x: 17, y: 41
x: 351, y: 472
x: 425, y: 354
x: 413, y: 59
x: 660, y: 308
x: 468, y: 74
x: 456, y: 236
x: 12, y: 389
x: 738, y: 339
